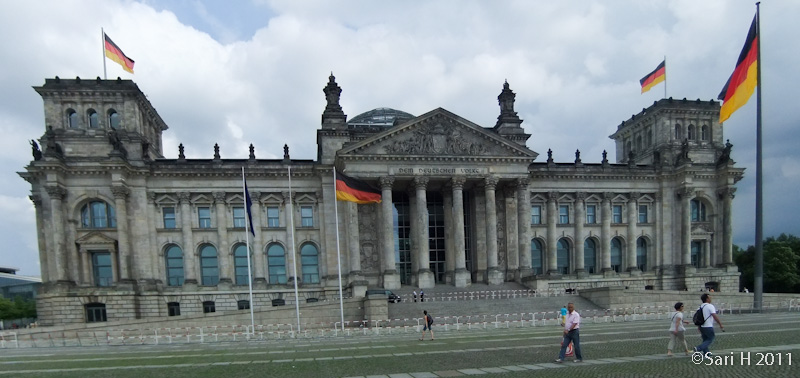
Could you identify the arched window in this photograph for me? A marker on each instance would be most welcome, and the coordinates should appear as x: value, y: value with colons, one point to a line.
x: 639, y: 146
x: 678, y: 133
x: 113, y: 119
x: 589, y: 255
x: 616, y: 254
x: 94, y: 120
x: 240, y: 264
x: 628, y: 148
x: 641, y: 254
x: 692, y: 133
x: 562, y: 256
x: 174, y: 265
x: 276, y: 264
x: 98, y: 214
x: 536, y: 256
x: 704, y: 132
x: 208, y: 265
x: 698, y: 211
x: 95, y: 312
x: 72, y: 119
x: 309, y: 258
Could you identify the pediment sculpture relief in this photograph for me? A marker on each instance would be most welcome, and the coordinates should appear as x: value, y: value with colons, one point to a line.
x: 436, y: 139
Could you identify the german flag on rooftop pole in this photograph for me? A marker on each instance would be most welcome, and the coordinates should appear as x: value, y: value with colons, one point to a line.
x: 353, y: 190
x: 114, y: 53
x: 658, y: 75
x: 743, y: 80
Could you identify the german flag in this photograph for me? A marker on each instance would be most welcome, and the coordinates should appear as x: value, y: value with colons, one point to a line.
x: 114, y: 53
x: 658, y: 75
x: 353, y: 190
x: 743, y: 80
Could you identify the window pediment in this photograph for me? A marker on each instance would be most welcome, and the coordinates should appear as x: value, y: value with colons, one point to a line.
x: 96, y: 240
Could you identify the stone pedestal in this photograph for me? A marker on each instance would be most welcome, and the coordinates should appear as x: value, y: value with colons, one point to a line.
x: 376, y: 307
x: 635, y: 272
x: 391, y: 280
x: 359, y: 288
x: 525, y: 272
x: 425, y: 279
x: 495, y: 277
x: 581, y: 273
x: 462, y: 278
x: 608, y: 273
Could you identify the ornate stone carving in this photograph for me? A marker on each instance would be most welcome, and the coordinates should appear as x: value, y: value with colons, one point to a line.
x: 37, y: 154
x: 522, y: 183
x: 687, y: 192
x: 580, y: 196
x: 387, y: 182
x: 490, y: 182
x: 151, y: 197
x: 120, y: 192
x: 436, y: 138
x: 368, y: 239
x: 181, y: 156
x: 420, y: 182
x: 56, y: 192
x: 552, y: 196
x: 36, y: 199
x: 219, y: 197
x: 255, y: 195
x: 608, y: 196
x: 634, y: 196
x: 730, y: 192
x: 457, y: 182
x: 184, y: 197
x: 252, y: 152
x: 216, y: 151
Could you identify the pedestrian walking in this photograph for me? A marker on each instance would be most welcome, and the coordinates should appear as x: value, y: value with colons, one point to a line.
x: 571, y: 334
x: 421, y: 295
x: 415, y: 295
x: 563, y: 315
x: 677, y: 330
x: 707, y: 328
x: 427, y: 319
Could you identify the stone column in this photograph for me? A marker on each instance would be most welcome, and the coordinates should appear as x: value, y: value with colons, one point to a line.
x: 552, y: 262
x: 424, y: 275
x: 462, y: 276
x: 41, y: 237
x: 706, y: 253
x: 391, y: 279
x: 259, y: 258
x: 123, y: 250
x: 449, y: 247
x: 524, y: 228
x: 605, y: 237
x: 353, y: 250
x: 632, y: 219
x: 157, y: 271
x: 657, y: 248
x: 189, y: 252
x: 493, y: 274
x: 291, y: 252
x: 686, y: 224
x: 727, y: 195
x: 580, y: 219
x: 224, y: 253
x: 510, y: 236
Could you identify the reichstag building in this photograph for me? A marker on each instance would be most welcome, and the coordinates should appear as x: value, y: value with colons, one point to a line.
x: 125, y: 232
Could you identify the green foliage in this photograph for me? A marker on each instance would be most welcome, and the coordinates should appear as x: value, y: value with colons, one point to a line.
x: 17, y: 309
x: 781, y: 264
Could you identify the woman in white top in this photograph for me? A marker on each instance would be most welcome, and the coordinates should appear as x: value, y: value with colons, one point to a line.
x: 677, y: 330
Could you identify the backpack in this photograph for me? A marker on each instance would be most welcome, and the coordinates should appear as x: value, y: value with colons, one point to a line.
x: 430, y: 319
x: 698, y: 318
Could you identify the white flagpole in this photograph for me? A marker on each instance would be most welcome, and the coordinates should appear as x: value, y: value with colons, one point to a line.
x: 103, y: 45
x: 247, y: 238
x: 338, y: 253
x: 294, y: 255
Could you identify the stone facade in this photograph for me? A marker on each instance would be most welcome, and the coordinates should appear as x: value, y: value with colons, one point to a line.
x: 126, y: 233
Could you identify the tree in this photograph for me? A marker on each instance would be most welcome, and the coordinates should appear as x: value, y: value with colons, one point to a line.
x: 781, y: 264
x: 17, y: 309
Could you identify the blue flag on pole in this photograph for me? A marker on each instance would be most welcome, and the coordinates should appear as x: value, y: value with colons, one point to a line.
x: 249, y: 204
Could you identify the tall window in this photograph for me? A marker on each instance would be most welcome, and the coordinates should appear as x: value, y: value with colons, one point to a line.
x: 174, y: 309
x: 536, y: 214
x: 306, y: 216
x: 562, y: 256
x: 273, y: 216
x: 641, y: 254
x: 101, y: 267
x: 208, y: 265
x: 174, y: 265
x: 536, y: 256
x: 616, y: 214
x: 678, y: 133
x: 276, y: 264
x: 642, y: 213
x: 95, y: 312
x: 401, y: 221
x: 692, y: 134
x: 240, y: 264
x: 204, y: 217
x: 697, y: 252
x: 94, y: 120
x: 563, y: 214
x: 169, y: 217
x: 698, y: 211
x: 589, y: 255
x: 72, y: 119
x: 209, y: 306
x: 238, y: 217
x: 436, y: 236
x: 113, y: 119
x: 616, y: 254
x: 98, y: 214
x: 704, y: 132
x: 591, y: 214
x: 309, y: 258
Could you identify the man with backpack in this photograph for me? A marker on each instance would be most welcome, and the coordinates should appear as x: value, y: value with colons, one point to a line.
x: 704, y: 319
x: 428, y: 320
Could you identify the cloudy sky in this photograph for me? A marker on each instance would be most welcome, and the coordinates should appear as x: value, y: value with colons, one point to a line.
x: 243, y: 72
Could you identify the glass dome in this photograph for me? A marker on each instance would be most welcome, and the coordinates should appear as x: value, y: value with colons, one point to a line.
x: 386, y: 117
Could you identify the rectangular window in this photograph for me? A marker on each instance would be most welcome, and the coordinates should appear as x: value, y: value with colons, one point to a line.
x: 563, y: 214
x: 273, y: 216
x: 616, y: 213
x: 238, y: 217
x: 642, y: 213
x: 174, y: 308
x: 243, y: 304
x: 169, y: 217
x: 209, y: 306
x: 306, y: 216
x: 204, y: 217
x: 101, y: 267
x: 591, y: 214
x: 536, y: 214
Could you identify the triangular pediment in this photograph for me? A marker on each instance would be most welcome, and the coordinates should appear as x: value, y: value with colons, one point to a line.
x: 95, y: 240
x: 438, y: 133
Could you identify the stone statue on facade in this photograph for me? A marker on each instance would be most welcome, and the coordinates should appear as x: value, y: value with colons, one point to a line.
x: 577, y: 156
x: 116, y: 143
x: 549, y: 155
x: 181, y: 156
x: 725, y: 157
x: 683, y: 156
x: 37, y: 154
x: 53, y: 148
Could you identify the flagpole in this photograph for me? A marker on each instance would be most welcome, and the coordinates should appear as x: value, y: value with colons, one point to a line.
x: 247, y: 238
x: 759, y: 268
x: 103, y: 46
x: 338, y: 253
x: 294, y: 255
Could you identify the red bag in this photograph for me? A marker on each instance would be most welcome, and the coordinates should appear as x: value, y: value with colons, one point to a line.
x: 570, y: 352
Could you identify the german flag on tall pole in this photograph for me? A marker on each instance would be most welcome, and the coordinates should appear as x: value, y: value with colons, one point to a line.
x: 657, y: 76
x: 113, y: 52
x: 353, y: 190
x: 743, y: 80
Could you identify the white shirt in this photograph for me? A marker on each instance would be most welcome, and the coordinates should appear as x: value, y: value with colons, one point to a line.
x: 572, y: 318
x: 677, y: 316
x: 708, y: 309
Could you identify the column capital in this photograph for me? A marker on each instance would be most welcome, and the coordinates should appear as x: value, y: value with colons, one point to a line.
x: 685, y: 192
x: 552, y: 196
x: 490, y: 182
x: 420, y: 182
x: 457, y: 182
x: 219, y: 197
x: 608, y: 196
x: 657, y: 196
x: 151, y: 198
x: 387, y: 182
x: 184, y: 197
x: 56, y: 192
x: 255, y: 195
x: 120, y: 192
x: 522, y: 183
x: 634, y: 196
x: 580, y: 196
x: 726, y: 192
x: 36, y: 199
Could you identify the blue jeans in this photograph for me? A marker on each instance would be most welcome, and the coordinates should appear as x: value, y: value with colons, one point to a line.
x: 573, y: 336
x: 708, y: 337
